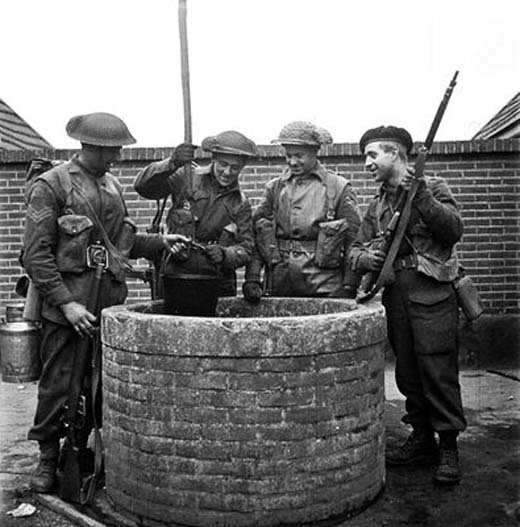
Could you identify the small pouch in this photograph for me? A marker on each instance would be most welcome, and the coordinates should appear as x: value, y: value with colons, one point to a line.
x: 468, y: 297
x: 73, y: 239
x: 330, y: 244
x: 266, y: 242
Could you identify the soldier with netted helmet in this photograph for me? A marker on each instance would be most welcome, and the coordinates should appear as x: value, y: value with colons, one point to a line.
x: 208, y: 207
x: 76, y: 212
x: 304, y: 224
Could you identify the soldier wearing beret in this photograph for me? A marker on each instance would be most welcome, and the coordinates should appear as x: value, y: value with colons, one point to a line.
x: 208, y: 207
x: 74, y: 210
x: 304, y: 224
x: 421, y: 305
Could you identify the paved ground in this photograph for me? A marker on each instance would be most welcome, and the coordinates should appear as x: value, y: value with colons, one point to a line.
x: 489, y: 495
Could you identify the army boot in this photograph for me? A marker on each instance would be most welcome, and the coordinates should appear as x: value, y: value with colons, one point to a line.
x: 419, y: 446
x: 447, y: 471
x: 43, y: 479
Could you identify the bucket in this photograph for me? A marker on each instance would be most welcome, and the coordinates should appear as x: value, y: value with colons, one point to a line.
x: 190, y: 297
x: 14, y: 312
x: 20, y: 360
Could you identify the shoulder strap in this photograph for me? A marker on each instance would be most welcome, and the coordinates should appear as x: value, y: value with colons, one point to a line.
x: 332, y: 194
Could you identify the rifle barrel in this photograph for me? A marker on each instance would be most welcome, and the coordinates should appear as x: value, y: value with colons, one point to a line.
x: 440, y: 112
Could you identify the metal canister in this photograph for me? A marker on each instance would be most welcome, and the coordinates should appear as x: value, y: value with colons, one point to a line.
x: 14, y: 312
x: 19, y: 343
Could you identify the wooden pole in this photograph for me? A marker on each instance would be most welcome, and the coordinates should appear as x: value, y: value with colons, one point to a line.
x: 185, y: 71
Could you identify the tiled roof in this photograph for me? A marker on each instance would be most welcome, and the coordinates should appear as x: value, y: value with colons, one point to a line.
x: 505, y: 124
x: 17, y: 134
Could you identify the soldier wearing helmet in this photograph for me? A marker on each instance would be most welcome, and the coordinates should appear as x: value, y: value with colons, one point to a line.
x: 208, y: 207
x: 73, y: 210
x: 304, y: 224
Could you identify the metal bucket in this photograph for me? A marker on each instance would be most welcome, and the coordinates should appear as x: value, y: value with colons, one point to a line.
x: 20, y: 360
x: 14, y: 312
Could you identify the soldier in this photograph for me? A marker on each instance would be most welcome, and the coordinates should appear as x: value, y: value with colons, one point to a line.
x: 421, y: 305
x: 208, y: 207
x: 76, y: 211
x: 304, y: 224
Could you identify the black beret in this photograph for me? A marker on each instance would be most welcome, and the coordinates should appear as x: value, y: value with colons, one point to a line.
x: 387, y: 133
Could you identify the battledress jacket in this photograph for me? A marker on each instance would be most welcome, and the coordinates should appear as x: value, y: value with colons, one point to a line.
x: 298, y: 205
x: 208, y: 213
x: 434, y: 228
x: 59, y: 228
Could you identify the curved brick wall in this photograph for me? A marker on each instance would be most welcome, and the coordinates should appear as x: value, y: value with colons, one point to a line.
x: 245, y: 419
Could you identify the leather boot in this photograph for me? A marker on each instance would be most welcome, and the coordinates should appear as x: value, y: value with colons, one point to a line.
x: 419, y: 446
x: 43, y: 479
x: 447, y: 471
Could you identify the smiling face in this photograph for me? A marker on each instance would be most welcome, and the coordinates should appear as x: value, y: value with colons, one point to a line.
x: 381, y: 162
x: 227, y: 168
x: 301, y: 159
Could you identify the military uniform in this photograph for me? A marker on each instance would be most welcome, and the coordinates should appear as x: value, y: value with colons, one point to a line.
x: 55, y: 259
x: 209, y: 213
x: 313, y: 217
x: 421, y: 305
x: 298, y: 205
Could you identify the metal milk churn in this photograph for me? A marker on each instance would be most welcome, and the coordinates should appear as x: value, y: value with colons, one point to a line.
x: 19, y: 349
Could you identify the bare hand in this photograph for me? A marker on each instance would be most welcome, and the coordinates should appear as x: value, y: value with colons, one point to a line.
x: 80, y: 318
x: 175, y: 243
x: 375, y: 259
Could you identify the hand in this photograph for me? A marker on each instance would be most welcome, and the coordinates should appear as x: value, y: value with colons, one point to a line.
x: 79, y: 317
x: 409, y: 178
x: 182, y: 155
x: 175, y: 243
x: 252, y: 291
x: 215, y: 253
x: 373, y: 259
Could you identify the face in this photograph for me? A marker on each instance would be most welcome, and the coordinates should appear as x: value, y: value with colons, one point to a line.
x: 380, y: 163
x: 99, y: 159
x: 300, y: 159
x: 227, y: 168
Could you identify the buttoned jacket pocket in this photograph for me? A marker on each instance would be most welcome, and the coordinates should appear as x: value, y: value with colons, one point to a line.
x: 73, y: 239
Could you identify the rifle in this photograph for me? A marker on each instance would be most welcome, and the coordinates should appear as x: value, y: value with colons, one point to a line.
x: 71, y: 487
x: 386, y: 273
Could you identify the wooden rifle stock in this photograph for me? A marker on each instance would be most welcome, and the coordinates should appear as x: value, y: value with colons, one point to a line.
x: 386, y: 273
x: 71, y: 480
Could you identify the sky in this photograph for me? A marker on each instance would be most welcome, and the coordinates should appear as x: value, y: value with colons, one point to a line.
x: 255, y: 65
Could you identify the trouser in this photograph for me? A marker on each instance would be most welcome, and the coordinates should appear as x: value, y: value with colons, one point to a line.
x: 422, y: 318
x: 57, y: 352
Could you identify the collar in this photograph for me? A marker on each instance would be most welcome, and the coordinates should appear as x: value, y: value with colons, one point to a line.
x: 77, y: 167
x: 319, y: 171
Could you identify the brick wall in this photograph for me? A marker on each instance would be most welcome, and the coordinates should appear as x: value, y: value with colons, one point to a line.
x: 484, y: 177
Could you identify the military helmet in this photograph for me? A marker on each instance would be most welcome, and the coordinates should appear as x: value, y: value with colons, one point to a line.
x: 100, y: 129
x: 230, y: 142
x: 303, y: 133
x: 387, y: 133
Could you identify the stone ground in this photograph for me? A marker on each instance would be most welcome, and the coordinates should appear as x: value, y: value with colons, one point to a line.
x: 489, y: 495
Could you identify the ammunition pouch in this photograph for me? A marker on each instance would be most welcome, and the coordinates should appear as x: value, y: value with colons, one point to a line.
x: 330, y: 245
x: 73, y: 239
x: 266, y: 241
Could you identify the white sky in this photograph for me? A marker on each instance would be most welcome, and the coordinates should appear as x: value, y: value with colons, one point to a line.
x: 346, y: 65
